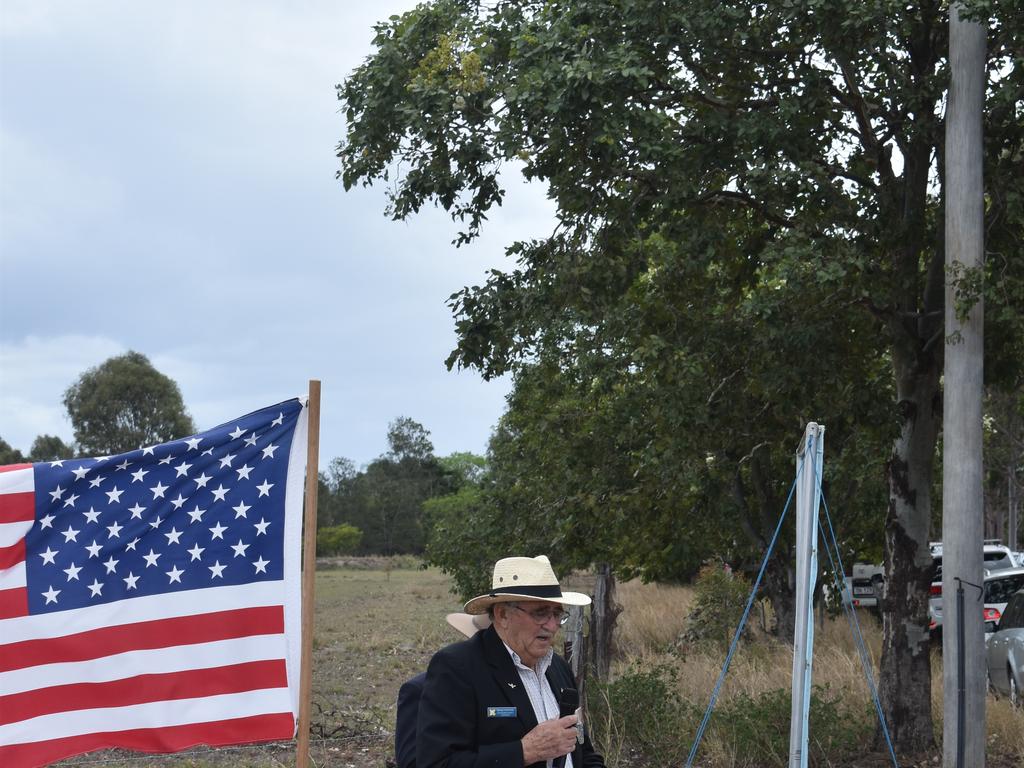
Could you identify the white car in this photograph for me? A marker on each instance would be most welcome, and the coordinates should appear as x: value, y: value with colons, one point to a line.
x: 997, y: 589
x: 1004, y: 652
x: 996, y: 557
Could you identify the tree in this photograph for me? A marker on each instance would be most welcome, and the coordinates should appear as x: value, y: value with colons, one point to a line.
x: 9, y: 455
x: 792, y: 150
x: 50, y: 448
x: 124, y: 404
x: 385, y: 500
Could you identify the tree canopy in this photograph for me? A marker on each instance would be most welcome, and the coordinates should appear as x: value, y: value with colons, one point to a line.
x: 124, y: 404
x: 749, y: 236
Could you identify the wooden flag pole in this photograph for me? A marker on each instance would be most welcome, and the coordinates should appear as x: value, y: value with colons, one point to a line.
x: 308, y: 575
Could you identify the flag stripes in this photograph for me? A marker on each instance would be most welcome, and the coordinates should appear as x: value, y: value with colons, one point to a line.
x: 201, y: 648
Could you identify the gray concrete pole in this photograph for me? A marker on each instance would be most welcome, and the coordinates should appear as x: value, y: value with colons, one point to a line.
x: 962, y: 501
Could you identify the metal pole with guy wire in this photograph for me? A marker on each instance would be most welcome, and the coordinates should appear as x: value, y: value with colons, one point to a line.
x: 808, y: 498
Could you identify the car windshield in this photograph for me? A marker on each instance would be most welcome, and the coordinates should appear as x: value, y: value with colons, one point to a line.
x: 1000, y: 590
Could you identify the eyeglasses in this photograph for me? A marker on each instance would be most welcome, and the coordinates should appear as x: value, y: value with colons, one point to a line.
x: 544, y: 615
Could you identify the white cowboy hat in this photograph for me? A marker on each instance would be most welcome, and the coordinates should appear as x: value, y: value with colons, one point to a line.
x: 524, y: 578
x: 468, y: 625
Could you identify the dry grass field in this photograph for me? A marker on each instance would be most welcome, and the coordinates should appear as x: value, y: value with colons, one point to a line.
x: 377, y: 627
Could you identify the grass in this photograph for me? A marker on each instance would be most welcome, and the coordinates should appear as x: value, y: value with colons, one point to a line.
x: 376, y: 626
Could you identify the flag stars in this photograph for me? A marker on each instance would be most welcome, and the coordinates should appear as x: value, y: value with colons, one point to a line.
x: 56, y: 494
x: 197, y: 514
x: 70, y: 500
x: 241, y: 509
x: 80, y: 473
x: 95, y: 482
x: 278, y: 421
x: 268, y: 452
x: 182, y: 469
x: 178, y: 502
x: 138, y: 474
x: 174, y: 574
x: 114, y: 495
x: 202, y: 480
x: 155, y: 522
x: 123, y: 465
x: 130, y: 581
x: 50, y: 595
x: 216, y: 570
x: 92, y: 516
x: 193, y: 443
x: 159, y: 490
x: 261, y: 527
x: 196, y: 551
x: 239, y: 548
x: 224, y: 462
x: 261, y: 565
x: 151, y: 558
x: 96, y: 588
x: 167, y: 459
x: 264, y: 488
x: 94, y: 549
x: 148, y: 451
x: 46, y: 521
x: 243, y: 473
x: 48, y: 556
x: 251, y: 440
x: 114, y: 531
x: 219, y: 493
x: 131, y: 544
x: 173, y: 536
x: 111, y: 564
x: 237, y: 433
x: 137, y: 511
x: 72, y: 572
x: 218, y: 531
x: 70, y: 535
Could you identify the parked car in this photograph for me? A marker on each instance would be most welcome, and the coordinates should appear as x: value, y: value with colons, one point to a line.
x: 997, y: 589
x: 995, y: 557
x: 865, y: 585
x: 1004, y: 652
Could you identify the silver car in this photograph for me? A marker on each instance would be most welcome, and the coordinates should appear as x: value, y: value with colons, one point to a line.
x: 1004, y: 652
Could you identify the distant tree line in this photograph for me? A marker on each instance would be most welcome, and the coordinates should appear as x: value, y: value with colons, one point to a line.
x: 387, y: 500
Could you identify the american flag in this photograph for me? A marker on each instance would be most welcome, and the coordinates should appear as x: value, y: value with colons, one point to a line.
x: 150, y: 600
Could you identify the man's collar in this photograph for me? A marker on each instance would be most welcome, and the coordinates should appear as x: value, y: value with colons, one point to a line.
x: 542, y: 664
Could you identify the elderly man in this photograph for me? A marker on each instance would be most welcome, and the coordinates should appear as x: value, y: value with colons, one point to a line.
x: 493, y: 700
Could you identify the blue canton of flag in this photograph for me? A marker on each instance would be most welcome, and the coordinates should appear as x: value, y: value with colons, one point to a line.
x: 206, y: 511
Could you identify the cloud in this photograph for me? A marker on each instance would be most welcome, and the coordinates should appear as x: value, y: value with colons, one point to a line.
x: 34, y: 373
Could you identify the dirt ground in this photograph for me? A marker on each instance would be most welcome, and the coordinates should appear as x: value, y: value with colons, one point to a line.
x: 375, y: 628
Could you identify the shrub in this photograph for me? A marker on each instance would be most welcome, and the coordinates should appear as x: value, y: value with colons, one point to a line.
x: 640, y: 720
x: 721, y: 596
x: 338, y: 540
x: 755, y: 729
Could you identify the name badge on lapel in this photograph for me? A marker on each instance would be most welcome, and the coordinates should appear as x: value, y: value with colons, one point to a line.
x: 501, y: 711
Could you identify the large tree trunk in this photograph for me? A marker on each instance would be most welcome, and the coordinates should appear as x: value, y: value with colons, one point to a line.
x: 905, y: 679
x: 779, y: 588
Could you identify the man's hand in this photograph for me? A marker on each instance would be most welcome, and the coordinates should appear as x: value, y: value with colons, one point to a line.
x: 550, y: 739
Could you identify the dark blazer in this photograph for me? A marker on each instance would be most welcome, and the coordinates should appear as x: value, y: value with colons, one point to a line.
x: 464, y: 681
x: 405, y: 720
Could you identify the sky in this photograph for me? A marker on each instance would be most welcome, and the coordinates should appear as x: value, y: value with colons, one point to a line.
x: 167, y: 185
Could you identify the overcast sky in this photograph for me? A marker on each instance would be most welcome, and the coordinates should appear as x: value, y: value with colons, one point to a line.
x: 167, y: 185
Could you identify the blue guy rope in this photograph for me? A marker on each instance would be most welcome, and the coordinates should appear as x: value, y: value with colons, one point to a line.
x: 739, y: 630
x: 851, y: 616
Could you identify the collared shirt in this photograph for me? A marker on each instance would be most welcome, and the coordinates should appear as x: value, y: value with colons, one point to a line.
x: 542, y: 698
